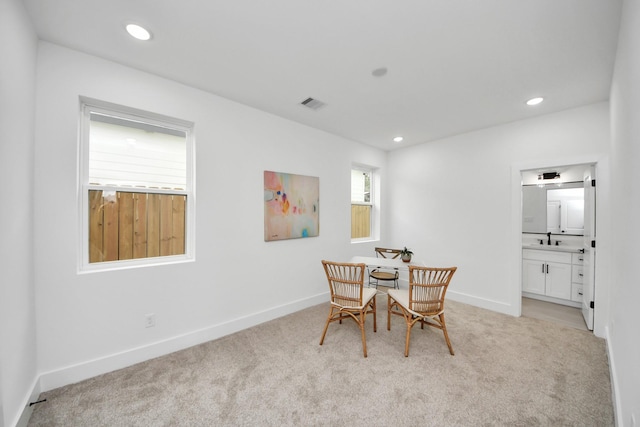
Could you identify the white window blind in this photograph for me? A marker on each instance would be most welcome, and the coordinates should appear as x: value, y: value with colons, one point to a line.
x: 360, y: 192
x: 134, y: 154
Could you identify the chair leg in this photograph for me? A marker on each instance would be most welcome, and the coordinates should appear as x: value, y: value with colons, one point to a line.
x: 446, y: 335
x: 375, y: 310
x: 361, y: 322
x: 364, y: 343
x: 326, y: 326
x: 364, y: 338
x: 359, y: 318
x: 406, y: 344
x: 388, y: 312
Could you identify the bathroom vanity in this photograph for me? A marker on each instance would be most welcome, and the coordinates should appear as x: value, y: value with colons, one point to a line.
x: 553, y: 273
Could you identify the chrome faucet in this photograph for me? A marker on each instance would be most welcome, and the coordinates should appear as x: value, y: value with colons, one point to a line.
x: 549, y: 238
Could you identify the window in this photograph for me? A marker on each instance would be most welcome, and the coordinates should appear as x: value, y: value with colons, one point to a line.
x: 361, y: 203
x: 136, y: 187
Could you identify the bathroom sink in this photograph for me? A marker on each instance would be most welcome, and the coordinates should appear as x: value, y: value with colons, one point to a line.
x: 559, y: 248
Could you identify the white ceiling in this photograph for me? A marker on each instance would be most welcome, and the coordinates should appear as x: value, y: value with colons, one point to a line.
x: 453, y: 65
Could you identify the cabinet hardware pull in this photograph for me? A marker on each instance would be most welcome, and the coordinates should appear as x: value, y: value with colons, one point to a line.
x: 580, y: 293
x: 547, y: 268
x: 543, y: 268
x: 580, y: 274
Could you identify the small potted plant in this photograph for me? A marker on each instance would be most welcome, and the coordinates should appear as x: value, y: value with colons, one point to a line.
x: 406, y: 254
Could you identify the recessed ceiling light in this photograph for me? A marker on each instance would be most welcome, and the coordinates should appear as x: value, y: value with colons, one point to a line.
x: 398, y: 139
x: 379, y: 72
x: 535, y: 101
x: 138, y: 32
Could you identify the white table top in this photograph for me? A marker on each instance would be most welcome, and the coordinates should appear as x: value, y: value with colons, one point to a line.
x: 372, y: 261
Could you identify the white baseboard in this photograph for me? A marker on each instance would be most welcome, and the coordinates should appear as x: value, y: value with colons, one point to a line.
x: 91, y: 368
x: 617, y: 410
x: 22, y: 419
x: 488, y: 304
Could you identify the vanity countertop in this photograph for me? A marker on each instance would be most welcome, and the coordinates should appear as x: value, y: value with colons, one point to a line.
x: 558, y: 248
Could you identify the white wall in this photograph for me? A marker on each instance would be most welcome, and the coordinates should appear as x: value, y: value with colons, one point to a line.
x: 18, y: 371
x: 453, y: 201
x: 457, y: 201
x: 92, y: 323
x: 623, y: 335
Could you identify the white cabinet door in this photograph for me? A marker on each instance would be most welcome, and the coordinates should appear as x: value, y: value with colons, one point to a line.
x: 533, y: 276
x: 558, y: 280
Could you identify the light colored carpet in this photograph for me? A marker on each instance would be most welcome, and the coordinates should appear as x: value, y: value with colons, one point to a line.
x: 507, y: 371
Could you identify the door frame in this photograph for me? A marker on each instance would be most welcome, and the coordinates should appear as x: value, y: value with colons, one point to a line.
x: 516, y: 220
x: 590, y: 251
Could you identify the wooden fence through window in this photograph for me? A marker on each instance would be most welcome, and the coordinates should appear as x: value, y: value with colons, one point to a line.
x: 360, y: 221
x: 126, y: 225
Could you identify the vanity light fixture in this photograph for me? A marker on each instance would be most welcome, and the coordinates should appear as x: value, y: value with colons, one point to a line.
x: 535, y: 101
x: 138, y: 32
x: 398, y: 139
x: 549, y: 175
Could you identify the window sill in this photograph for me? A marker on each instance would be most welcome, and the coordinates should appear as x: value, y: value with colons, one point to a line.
x: 101, y: 267
x: 364, y: 240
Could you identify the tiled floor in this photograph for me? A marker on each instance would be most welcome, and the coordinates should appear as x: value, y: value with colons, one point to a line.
x: 562, y: 314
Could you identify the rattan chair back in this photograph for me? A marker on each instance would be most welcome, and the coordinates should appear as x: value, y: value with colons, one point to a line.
x: 346, y: 282
x: 427, y: 289
x: 387, y: 253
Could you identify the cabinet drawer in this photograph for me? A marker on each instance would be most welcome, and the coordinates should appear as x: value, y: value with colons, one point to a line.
x: 576, y: 274
x: 549, y: 256
x: 576, y: 292
x: 577, y: 259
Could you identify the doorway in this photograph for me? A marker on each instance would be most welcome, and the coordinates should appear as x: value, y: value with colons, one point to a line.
x: 563, y: 289
x: 556, y: 313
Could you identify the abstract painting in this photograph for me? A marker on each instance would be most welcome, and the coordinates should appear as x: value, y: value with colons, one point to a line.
x: 291, y: 206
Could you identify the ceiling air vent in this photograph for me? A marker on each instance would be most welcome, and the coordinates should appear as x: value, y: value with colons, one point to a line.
x: 314, y: 104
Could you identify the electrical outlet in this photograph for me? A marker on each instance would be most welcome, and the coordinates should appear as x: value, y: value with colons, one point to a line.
x: 149, y: 320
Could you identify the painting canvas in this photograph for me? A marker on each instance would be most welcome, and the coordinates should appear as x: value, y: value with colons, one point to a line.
x: 291, y: 206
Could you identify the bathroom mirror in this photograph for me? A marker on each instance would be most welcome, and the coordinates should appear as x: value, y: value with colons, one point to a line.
x: 554, y: 208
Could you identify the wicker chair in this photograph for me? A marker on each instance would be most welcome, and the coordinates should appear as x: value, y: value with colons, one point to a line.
x: 379, y: 274
x: 349, y: 297
x: 423, y: 302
